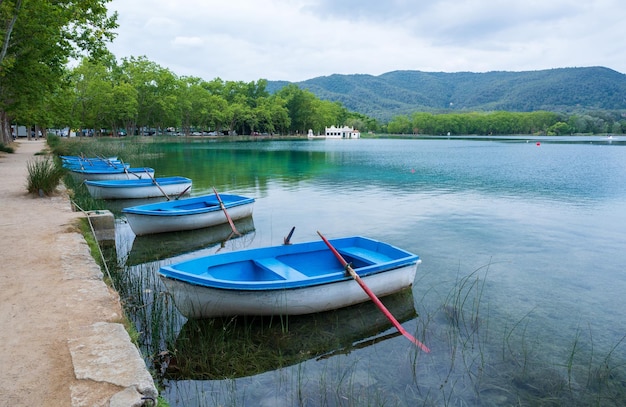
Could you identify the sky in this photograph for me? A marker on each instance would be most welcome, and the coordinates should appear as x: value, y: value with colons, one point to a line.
x: 296, y: 40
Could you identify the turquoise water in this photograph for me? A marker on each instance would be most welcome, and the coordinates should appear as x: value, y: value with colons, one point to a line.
x: 520, y: 295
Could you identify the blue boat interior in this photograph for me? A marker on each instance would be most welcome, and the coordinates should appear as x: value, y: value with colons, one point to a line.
x: 196, y: 205
x: 294, y: 266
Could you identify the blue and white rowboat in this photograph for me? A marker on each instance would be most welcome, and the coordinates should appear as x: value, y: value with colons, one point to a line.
x: 102, y: 173
x: 293, y: 279
x: 186, y: 214
x: 136, y: 188
x: 74, y: 162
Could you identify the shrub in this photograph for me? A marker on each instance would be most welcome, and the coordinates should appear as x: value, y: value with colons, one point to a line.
x: 6, y: 149
x: 43, y: 176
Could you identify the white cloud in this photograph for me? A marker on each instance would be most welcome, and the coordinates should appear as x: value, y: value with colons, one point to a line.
x: 300, y: 39
x: 188, y: 41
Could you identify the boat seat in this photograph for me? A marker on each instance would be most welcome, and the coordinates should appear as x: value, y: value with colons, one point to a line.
x: 280, y: 268
x: 368, y: 256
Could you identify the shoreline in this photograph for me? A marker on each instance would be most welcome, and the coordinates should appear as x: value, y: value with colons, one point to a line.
x: 62, y: 330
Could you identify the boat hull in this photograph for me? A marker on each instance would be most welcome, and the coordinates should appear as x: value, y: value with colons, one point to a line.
x: 297, y: 279
x: 113, y: 174
x: 197, y: 302
x: 139, y: 188
x: 165, y: 217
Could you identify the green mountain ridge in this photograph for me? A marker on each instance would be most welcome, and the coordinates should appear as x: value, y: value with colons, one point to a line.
x: 404, y: 92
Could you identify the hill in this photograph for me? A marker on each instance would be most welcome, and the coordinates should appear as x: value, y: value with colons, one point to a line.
x: 403, y: 92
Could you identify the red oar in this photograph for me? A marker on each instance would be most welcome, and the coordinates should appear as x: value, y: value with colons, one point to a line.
x: 232, y: 225
x: 373, y: 297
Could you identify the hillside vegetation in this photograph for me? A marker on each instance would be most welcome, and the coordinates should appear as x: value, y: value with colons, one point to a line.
x: 395, y: 93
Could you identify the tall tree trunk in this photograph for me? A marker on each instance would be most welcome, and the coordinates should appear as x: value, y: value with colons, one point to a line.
x: 5, y: 129
x: 8, y: 30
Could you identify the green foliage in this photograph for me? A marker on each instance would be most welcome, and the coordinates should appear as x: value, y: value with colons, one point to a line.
x: 81, y: 197
x: 142, y: 98
x: 477, y: 123
x: 126, y: 149
x: 40, y: 37
x: 559, y: 129
x: 6, y: 149
x: 53, y: 141
x: 405, y: 92
x: 43, y: 176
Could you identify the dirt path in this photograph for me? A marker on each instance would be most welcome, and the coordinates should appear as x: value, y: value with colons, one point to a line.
x: 60, y: 339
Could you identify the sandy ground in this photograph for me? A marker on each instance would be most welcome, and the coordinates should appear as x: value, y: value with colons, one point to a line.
x: 52, y: 299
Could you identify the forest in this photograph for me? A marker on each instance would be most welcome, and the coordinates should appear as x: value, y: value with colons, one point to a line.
x: 139, y: 97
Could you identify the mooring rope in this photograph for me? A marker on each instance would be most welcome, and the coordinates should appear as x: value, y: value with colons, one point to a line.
x: 106, y: 267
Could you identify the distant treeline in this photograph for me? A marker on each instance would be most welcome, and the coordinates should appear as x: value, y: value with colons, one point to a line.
x: 139, y: 97
x: 561, y: 90
x: 486, y: 123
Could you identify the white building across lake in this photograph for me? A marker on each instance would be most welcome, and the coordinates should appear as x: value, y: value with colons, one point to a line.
x: 333, y: 132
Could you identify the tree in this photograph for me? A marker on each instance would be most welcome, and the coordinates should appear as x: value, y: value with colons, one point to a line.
x: 38, y: 39
x: 559, y: 129
x: 299, y: 103
x: 156, y: 89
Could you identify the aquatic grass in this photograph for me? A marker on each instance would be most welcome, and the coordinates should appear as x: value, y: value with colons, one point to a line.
x: 465, y: 367
x: 475, y: 375
x: 43, y: 176
x: 53, y: 141
x: 80, y: 197
x: 127, y: 149
x: 467, y: 340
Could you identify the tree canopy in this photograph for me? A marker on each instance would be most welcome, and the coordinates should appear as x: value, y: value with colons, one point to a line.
x: 39, y: 38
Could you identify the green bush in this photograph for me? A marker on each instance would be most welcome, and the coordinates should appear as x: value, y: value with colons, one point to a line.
x: 6, y: 149
x: 43, y: 176
x: 53, y: 141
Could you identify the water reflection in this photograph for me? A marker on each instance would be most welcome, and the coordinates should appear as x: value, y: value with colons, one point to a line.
x: 161, y: 246
x: 223, y: 348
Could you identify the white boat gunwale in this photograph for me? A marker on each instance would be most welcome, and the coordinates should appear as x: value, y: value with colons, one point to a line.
x: 139, y: 182
x: 197, y: 302
x: 188, y: 206
x: 107, y: 170
x: 136, y: 188
x: 281, y: 276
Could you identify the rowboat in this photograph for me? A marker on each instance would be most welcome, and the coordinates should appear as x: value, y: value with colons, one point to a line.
x: 187, y: 214
x: 150, y: 248
x: 139, y: 188
x: 111, y: 173
x: 76, y: 162
x: 88, y: 160
x: 234, y: 347
x: 293, y: 279
x: 94, y: 165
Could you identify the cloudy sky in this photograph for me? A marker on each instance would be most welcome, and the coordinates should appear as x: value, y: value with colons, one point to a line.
x: 295, y: 40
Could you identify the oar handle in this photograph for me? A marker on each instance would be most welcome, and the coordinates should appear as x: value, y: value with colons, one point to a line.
x: 183, y: 193
x: 154, y: 181
x: 373, y: 296
x: 230, y: 221
x: 287, y: 240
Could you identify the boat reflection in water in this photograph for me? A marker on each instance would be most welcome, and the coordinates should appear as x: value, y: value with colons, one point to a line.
x: 161, y: 246
x: 220, y: 348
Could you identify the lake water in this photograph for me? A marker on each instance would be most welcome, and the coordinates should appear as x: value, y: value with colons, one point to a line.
x: 520, y: 295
